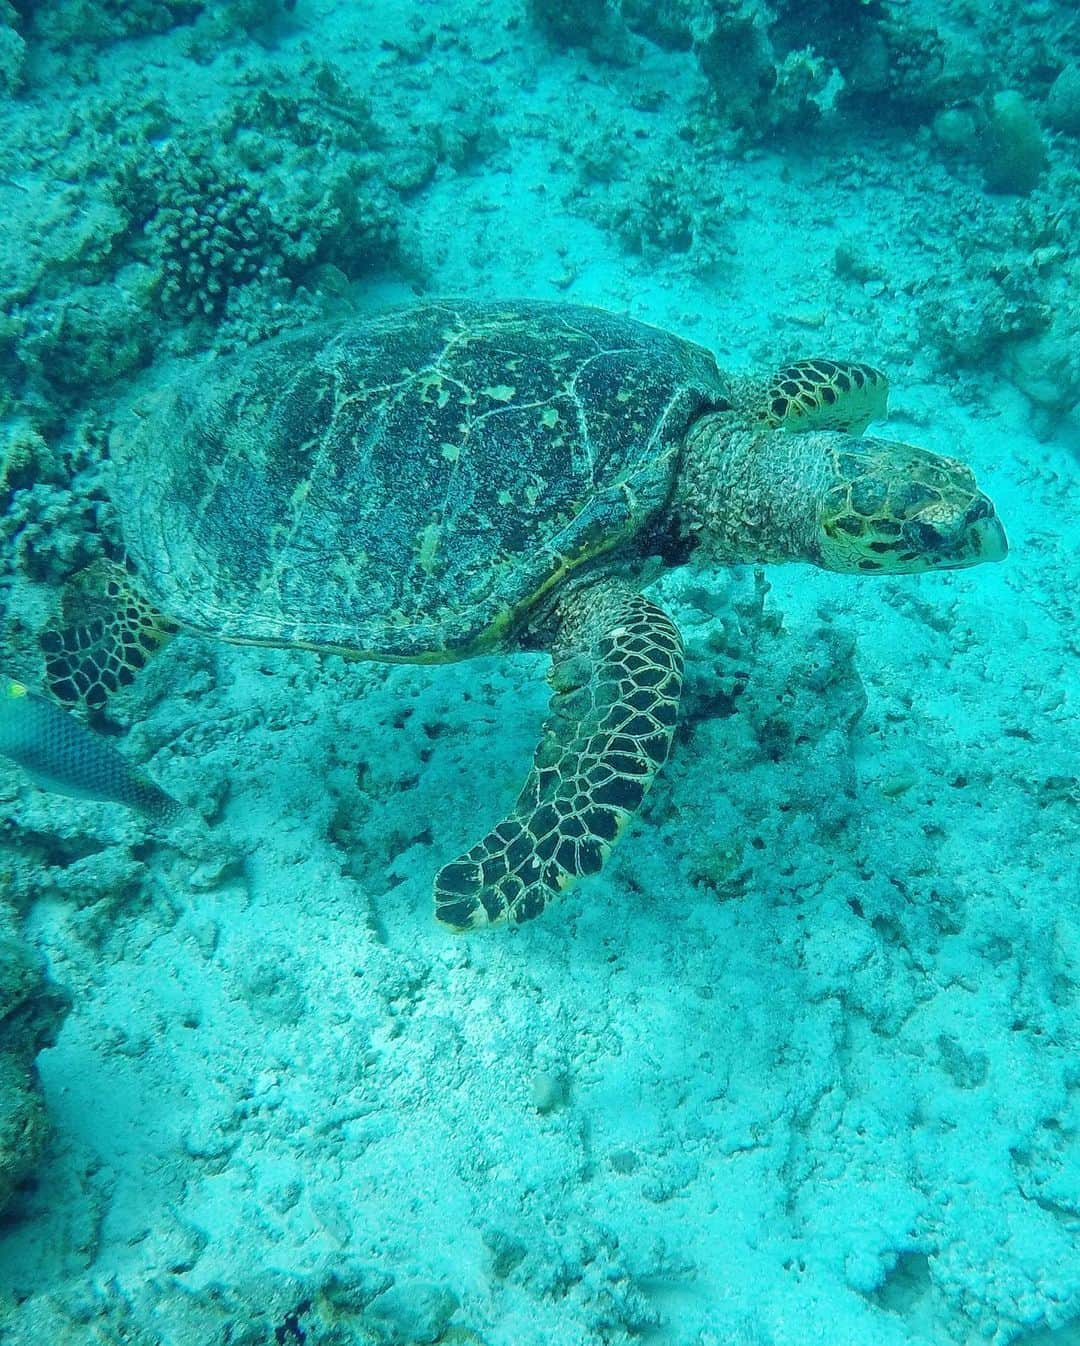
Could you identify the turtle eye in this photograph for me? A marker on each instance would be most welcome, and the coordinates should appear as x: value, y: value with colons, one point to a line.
x: 927, y: 537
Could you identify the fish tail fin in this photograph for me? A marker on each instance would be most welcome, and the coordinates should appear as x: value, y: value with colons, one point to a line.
x: 154, y: 803
x: 107, y: 631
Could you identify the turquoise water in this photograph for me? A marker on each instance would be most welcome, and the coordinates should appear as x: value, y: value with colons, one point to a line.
x: 800, y: 1064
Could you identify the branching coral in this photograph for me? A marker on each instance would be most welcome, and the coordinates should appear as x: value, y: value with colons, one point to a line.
x: 214, y: 235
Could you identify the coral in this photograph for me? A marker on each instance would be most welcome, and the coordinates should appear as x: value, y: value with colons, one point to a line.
x: 802, y: 91
x: 659, y: 217
x: 1063, y: 101
x: 779, y: 67
x: 1002, y: 281
x: 312, y: 109
x: 595, y: 25
x: 23, y: 1127
x: 210, y: 236
x: 570, y: 22
x: 32, y: 1008
x: 959, y: 129
x: 54, y: 519
x: 655, y: 205
x: 343, y: 1302
x: 61, y: 22
x: 12, y: 53
x: 212, y: 233
x: 1016, y: 152
x: 238, y: 228
x: 65, y: 21
x: 668, y: 23
x: 10, y: 328
x: 897, y: 66
x: 319, y: 152
x: 413, y: 1312
x: 1046, y: 367
x: 76, y: 346
x: 167, y: 234
x: 55, y: 515
x: 981, y: 313
x: 737, y: 58
x: 344, y: 218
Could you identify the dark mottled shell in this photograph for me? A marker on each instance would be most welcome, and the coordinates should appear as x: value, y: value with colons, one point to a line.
x: 406, y: 486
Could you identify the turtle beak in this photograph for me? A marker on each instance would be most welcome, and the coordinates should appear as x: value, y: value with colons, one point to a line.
x: 988, y: 540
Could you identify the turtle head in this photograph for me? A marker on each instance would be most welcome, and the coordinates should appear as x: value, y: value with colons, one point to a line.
x: 854, y: 504
x: 896, y: 509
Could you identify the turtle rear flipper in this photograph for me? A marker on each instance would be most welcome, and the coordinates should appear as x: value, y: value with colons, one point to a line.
x: 616, y: 679
x: 107, y: 632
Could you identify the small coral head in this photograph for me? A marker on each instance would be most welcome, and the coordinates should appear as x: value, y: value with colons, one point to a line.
x: 895, y: 509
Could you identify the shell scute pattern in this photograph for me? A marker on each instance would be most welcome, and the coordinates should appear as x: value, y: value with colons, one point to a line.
x: 405, y: 487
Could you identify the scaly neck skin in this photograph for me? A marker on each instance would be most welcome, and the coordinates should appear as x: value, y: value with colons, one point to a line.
x: 749, y: 495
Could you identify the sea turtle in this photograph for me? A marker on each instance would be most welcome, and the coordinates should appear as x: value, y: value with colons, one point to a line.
x: 451, y: 479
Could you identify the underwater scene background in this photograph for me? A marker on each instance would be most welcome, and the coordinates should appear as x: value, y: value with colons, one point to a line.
x: 801, y: 1065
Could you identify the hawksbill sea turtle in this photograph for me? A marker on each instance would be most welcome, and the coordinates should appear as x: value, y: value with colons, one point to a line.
x: 453, y: 479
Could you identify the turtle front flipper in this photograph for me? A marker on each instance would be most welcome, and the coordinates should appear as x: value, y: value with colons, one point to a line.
x: 616, y: 677
x: 817, y: 394
x: 107, y: 632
